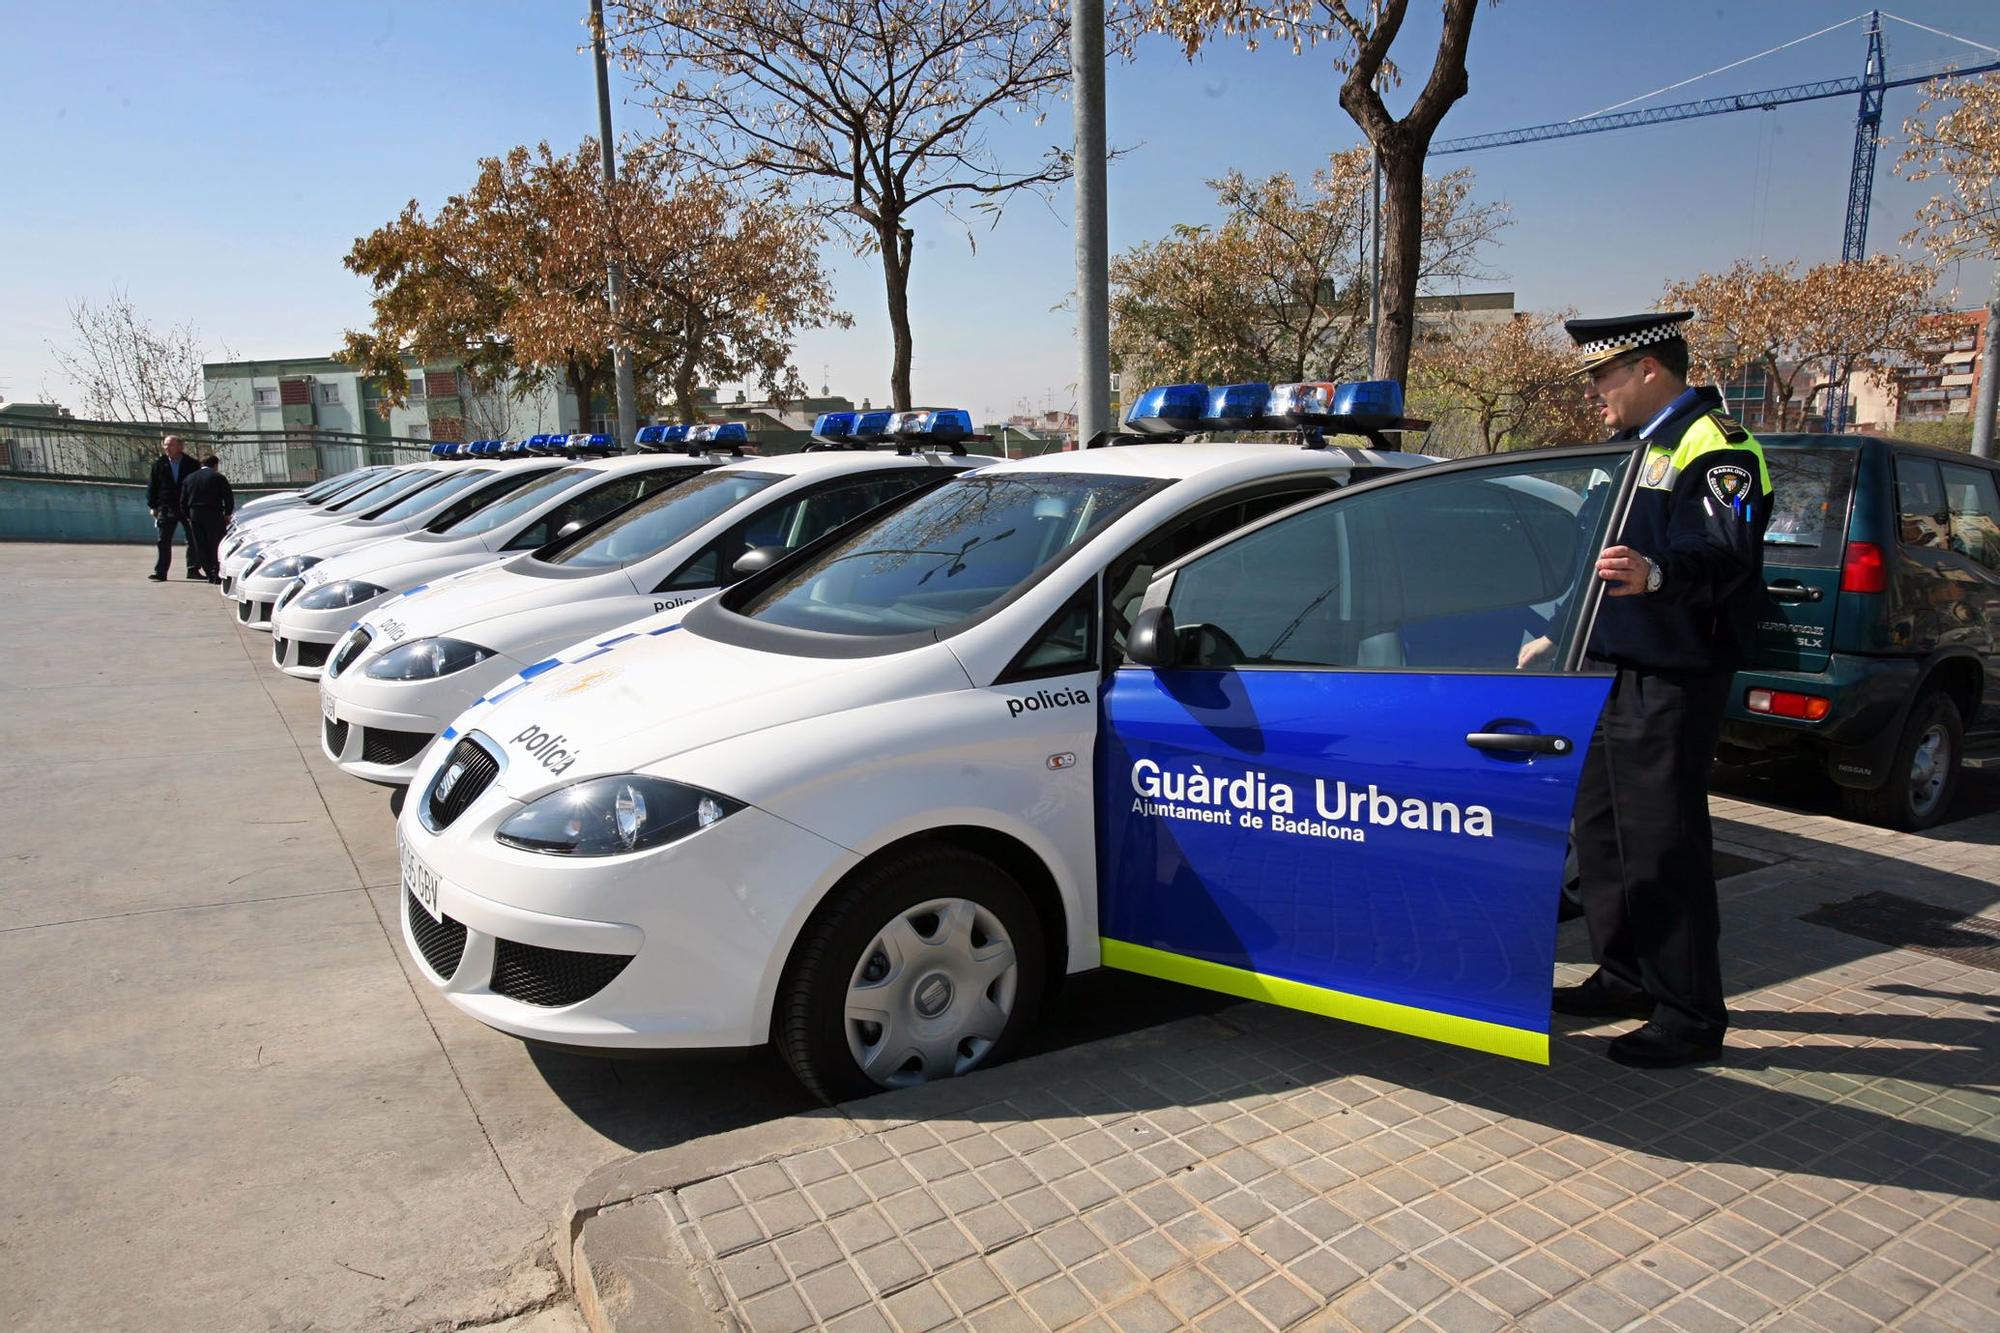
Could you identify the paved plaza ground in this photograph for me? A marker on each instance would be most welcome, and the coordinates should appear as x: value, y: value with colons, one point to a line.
x: 229, y: 1102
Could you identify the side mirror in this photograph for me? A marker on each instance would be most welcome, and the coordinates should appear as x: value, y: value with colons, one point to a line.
x: 1151, y: 640
x: 575, y: 525
x: 757, y: 558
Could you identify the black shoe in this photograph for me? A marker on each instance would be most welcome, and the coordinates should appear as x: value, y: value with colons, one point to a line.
x: 156, y: 578
x: 1597, y: 998
x: 213, y: 579
x: 196, y: 574
x: 1652, y: 1047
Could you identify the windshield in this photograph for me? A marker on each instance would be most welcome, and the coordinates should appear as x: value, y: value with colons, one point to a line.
x: 658, y: 522
x: 517, y: 504
x: 333, y: 486
x: 429, y: 497
x: 388, y: 490
x: 947, y: 556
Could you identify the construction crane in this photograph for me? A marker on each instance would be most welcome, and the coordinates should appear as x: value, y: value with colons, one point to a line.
x: 1874, y: 81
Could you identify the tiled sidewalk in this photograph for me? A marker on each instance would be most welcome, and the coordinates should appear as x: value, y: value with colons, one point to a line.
x: 1263, y: 1169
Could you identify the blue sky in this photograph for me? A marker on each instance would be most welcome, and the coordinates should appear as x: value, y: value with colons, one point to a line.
x: 217, y: 160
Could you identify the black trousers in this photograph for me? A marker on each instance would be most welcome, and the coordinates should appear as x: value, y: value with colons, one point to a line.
x: 205, y: 529
x: 1644, y: 844
x: 166, y: 523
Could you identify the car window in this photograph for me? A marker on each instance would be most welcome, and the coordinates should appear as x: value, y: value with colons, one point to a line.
x: 1452, y: 571
x: 421, y: 500
x: 386, y: 493
x: 803, y: 517
x: 949, y: 555
x: 660, y: 520
x: 539, y: 489
x: 1975, y: 512
x: 496, y: 489
x: 1921, y: 518
x: 1068, y: 642
x: 1810, y: 493
x: 580, y: 511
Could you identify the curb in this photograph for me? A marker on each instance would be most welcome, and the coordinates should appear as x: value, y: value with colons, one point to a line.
x: 618, y: 1243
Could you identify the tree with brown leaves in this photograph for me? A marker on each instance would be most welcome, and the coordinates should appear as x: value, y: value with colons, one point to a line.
x: 1277, y: 290
x: 1360, y: 34
x: 869, y: 108
x: 1514, y: 385
x: 1809, y: 331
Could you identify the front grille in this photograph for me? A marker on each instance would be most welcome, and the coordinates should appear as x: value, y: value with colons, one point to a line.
x: 229, y: 585
x: 313, y: 654
x: 480, y: 768
x: 551, y: 978
x: 278, y: 650
x: 356, y: 643
x: 442, y: 943
x: 380, y: 745
x: 243, y: 612
x: 336, y: 735
x: 263, y: 610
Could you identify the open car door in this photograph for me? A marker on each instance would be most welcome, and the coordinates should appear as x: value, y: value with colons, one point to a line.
x: 1325, y: 781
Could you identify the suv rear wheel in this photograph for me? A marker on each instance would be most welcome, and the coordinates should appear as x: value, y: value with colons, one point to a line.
x: 1923, y: 770
x: 927, y: 966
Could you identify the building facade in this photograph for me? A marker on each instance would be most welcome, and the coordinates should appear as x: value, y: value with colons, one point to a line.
x: 443, y: 403
x: 1947, y: 389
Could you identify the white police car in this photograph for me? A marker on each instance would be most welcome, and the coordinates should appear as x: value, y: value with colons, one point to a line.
x: 459, y: 495
x: 325, y: 601
x: 413, y: 664
x: 248, y: 542
x: 867, y: 804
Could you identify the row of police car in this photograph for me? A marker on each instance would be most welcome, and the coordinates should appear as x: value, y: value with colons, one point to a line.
x: 860, y: 750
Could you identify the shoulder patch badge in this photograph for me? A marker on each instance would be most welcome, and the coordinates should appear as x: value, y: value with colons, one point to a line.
x: 1731, y: 431
x: 1656, y: 468
x: 1728, y: 483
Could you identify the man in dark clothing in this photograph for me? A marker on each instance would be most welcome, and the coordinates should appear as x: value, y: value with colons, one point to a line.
x: 1684, y: 581
x: 163, y: 498
x: 208, y: 501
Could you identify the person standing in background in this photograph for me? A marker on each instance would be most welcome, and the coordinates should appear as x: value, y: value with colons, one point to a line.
x: 207, y: 500
x: 163, y: 499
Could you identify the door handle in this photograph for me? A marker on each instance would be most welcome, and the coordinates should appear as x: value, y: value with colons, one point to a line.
x: 1519, y: 742
x: 1789, y: 591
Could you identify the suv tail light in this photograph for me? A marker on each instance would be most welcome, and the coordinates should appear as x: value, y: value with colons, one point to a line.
x: 1864, y: 569
x: 1784, y: 703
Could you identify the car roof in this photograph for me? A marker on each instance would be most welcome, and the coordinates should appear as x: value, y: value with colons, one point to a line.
x: 1174, y: 462
x: 806, y: 462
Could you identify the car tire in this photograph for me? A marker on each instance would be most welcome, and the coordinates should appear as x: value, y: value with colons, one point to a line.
x: 942, y: 946
x: 1923, y: 770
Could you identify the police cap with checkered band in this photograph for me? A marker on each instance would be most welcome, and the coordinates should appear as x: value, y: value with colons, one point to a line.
x: 1599, y: 342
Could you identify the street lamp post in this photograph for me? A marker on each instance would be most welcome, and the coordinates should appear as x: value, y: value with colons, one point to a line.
x: 621, y: 357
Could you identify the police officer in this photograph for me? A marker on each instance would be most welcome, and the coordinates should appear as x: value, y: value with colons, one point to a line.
x: 163, y: 501
x: 208, y: 500
x: 1683, y: 580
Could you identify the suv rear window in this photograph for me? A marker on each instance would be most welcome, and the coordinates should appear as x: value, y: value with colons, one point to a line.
x: 1811, y: 488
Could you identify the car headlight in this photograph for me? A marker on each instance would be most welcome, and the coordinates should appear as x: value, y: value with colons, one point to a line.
x: 426, y: 659
x: 288, y: 568
x: 347, y: 592
x: 251, y: 550
x: 612, y: 816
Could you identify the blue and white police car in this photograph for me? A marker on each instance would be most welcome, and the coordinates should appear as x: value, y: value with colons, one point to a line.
x: 1058, y: 713
x: 457, y: 495
x: 414, y: 663
x: 326, y: 600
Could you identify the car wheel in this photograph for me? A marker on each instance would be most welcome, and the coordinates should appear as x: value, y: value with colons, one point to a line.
x: 1923, y: 771
x: 927, y: 966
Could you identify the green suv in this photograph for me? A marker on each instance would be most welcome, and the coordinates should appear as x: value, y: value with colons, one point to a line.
x: 1877, y: 640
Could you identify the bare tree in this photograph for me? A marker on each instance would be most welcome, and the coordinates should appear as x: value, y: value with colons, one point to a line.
x: 1361, y: 42
x: 870, y: 108
x: 128, y: 370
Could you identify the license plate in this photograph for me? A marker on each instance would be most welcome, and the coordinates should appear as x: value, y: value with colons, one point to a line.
x: 420, y: 881
x: 326, y: 706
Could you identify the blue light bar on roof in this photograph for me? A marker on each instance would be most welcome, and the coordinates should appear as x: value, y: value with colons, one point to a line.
x: 440, y: 450
x: 1237, y: 406
x: 648, y: 435
x: 1368, y: 404
x: 1370, y: 400
x: 872, y: 425
x: 942, y: 425
x: 674, y: 434
x: 834, y: 426
x: 1170, y: 409
x: 725, y: 432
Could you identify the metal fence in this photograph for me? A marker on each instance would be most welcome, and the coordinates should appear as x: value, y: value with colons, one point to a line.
x: 122, y: 451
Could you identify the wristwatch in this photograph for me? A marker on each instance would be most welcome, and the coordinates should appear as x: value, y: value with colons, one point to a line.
x: 1655, y: 579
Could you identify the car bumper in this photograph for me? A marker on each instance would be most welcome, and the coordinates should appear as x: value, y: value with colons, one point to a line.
x: 1869, y: 697
x: 375, y: 731
x: 310, y: 636
x: 252, y: 611
x: 677, y: 948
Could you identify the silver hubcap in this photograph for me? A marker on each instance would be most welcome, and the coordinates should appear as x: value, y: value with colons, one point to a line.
x: 1928, y: 769
x: 931, y: 994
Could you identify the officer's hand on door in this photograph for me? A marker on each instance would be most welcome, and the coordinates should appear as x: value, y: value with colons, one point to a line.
x: 1533, y: 651
x: 1624, y: 569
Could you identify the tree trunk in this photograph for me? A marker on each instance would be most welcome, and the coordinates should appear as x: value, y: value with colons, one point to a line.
x: 684, y: 375
x: 1402, y: 255
x: 896, y: 241
x: 582, y: 377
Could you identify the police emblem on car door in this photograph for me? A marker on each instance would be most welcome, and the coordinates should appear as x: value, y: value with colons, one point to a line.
x: 1337, y: 778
